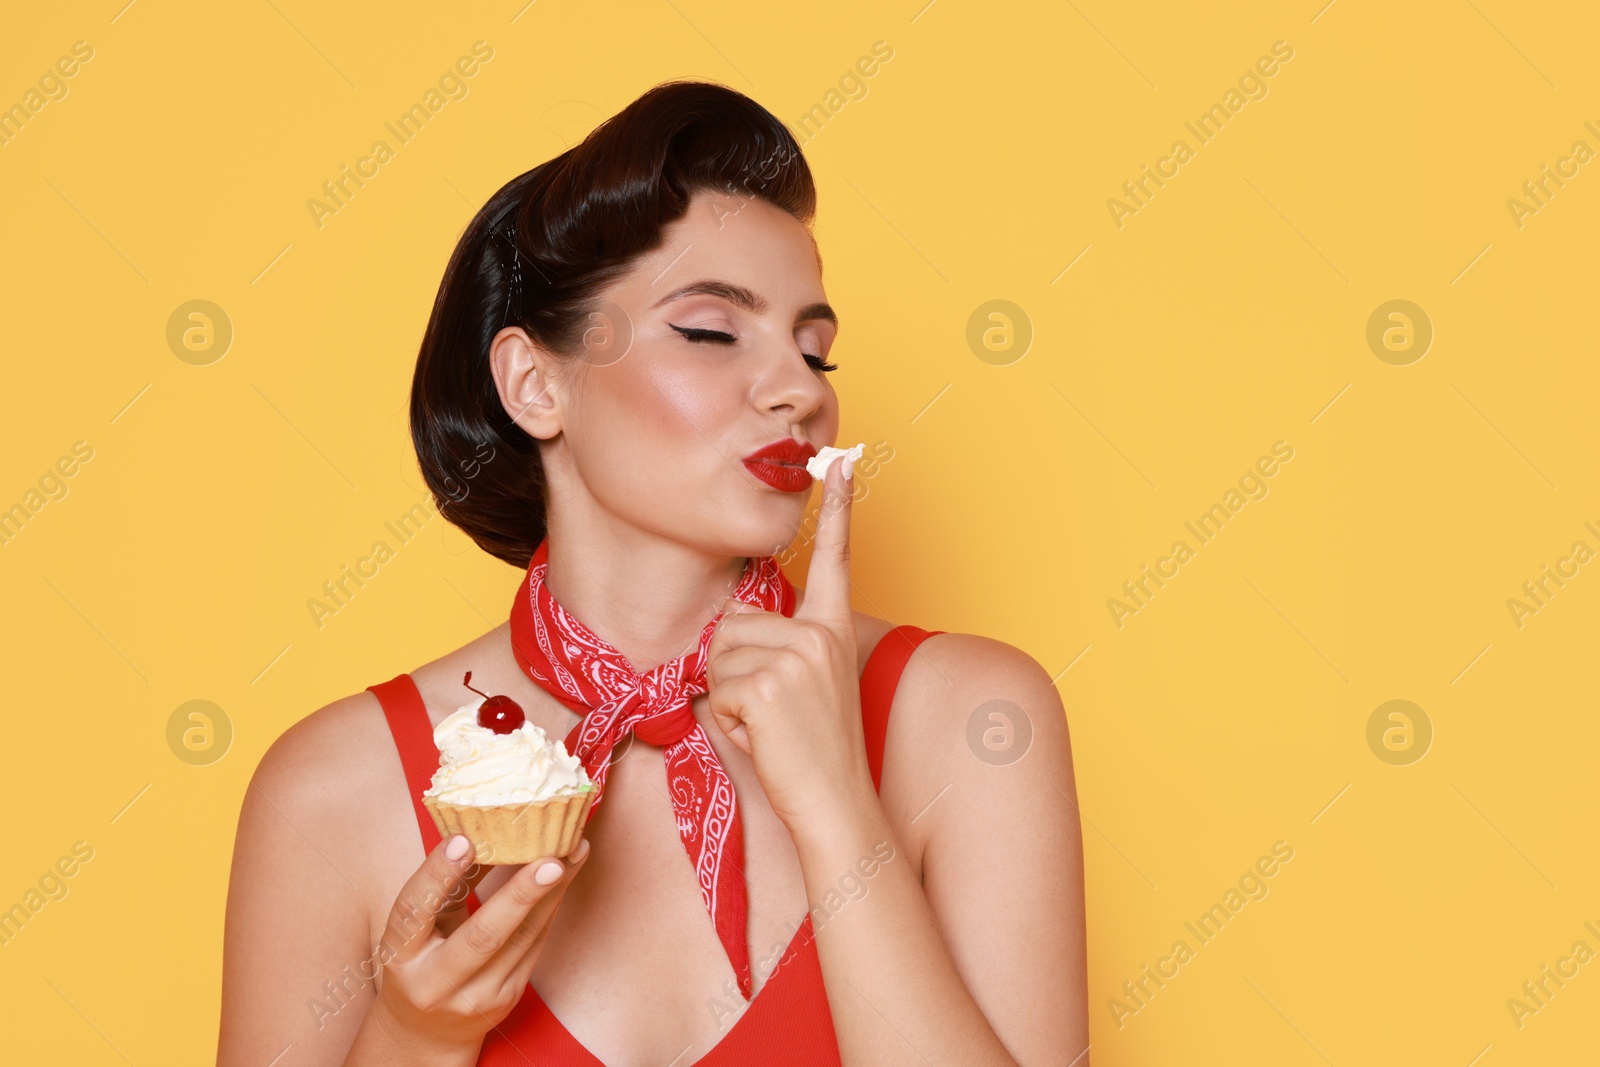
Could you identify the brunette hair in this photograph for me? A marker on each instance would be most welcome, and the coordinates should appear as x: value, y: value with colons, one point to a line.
x: 537, y: 254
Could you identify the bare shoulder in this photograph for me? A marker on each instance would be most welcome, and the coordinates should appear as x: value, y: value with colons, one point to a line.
x: 326, y: 767
x: 338, y: 770
x: 312, y: 866
x: 983, y: 781
x: 333, y: 783
x: 971, y: 716
x: 976, y: 661
x: 957, y: 680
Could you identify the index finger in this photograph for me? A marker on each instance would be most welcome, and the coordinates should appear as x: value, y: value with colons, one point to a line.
x: 828, y: 576
x: 425, y: 895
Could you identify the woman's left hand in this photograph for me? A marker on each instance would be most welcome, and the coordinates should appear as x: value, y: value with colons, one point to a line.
x: 787, y: 690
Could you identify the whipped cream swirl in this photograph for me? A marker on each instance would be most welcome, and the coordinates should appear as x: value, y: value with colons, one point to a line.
x: 817, y: 465
x: 480, y: 767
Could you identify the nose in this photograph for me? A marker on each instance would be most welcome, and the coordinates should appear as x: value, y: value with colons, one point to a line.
x: 789, y: 385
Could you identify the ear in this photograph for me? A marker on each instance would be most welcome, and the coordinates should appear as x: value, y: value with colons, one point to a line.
x: 525, y: 377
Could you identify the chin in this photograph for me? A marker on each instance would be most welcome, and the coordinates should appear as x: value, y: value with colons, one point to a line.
x: 761, y: 531
x: 775, y: 542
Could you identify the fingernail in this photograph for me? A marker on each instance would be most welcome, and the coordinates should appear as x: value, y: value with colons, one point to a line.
x: 581, y: 851
x: 457, y: 847
x: 547, y: 873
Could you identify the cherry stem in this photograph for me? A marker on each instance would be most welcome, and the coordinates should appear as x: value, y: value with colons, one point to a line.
x: 480, y: 692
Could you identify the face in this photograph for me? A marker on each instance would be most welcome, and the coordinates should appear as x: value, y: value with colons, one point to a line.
x: 710, y: 348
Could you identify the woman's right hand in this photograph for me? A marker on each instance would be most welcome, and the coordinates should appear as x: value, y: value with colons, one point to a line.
x: 445, y: 988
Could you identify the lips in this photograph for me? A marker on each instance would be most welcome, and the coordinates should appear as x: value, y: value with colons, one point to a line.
x: 782, y: 465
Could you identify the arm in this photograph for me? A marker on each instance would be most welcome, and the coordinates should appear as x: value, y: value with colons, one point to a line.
x: 983, y: 960
x: 298, y: 971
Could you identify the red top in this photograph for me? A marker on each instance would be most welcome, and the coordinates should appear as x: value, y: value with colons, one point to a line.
x: 788, y: 1022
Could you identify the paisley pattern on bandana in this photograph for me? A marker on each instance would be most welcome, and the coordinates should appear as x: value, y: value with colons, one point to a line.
x: 576, y: 666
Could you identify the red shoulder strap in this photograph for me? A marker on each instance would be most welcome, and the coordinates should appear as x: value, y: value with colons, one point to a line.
x: 879, y: 680
x: 413, y: 736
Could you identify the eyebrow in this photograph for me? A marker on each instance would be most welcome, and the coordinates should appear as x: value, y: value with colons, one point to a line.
x: 739, y: 296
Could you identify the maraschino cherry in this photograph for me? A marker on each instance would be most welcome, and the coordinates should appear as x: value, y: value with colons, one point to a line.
x: 498, y: 713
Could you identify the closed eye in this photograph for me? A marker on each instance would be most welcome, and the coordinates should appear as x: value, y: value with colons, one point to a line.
x: 698, y: 335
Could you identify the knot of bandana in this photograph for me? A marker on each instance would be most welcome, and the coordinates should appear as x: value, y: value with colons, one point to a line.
x: 567, y: 659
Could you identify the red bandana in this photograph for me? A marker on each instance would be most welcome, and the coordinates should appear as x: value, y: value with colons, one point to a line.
x: 566, y: 658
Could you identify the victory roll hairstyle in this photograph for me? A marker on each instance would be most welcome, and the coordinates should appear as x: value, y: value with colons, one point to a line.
x: 536, y: 256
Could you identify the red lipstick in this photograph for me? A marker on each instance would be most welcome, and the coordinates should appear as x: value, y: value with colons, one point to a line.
x: 782, y: 465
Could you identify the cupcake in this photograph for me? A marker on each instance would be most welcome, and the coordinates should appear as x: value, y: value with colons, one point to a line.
x: 514, y: 791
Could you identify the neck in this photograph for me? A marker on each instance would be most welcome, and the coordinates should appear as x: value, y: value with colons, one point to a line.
x: 647, y: 597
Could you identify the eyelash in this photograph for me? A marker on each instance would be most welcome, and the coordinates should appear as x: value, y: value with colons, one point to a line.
x: 691, y: 333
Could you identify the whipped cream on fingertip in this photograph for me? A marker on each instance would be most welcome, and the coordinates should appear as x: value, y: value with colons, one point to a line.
x: 817, y: 465
x: 480, y: 767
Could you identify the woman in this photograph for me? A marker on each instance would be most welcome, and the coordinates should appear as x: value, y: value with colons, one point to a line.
x: 623, y: 374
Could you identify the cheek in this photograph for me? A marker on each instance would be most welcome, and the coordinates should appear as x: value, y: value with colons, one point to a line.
x: 686, y: 400
x: 656, y: 426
